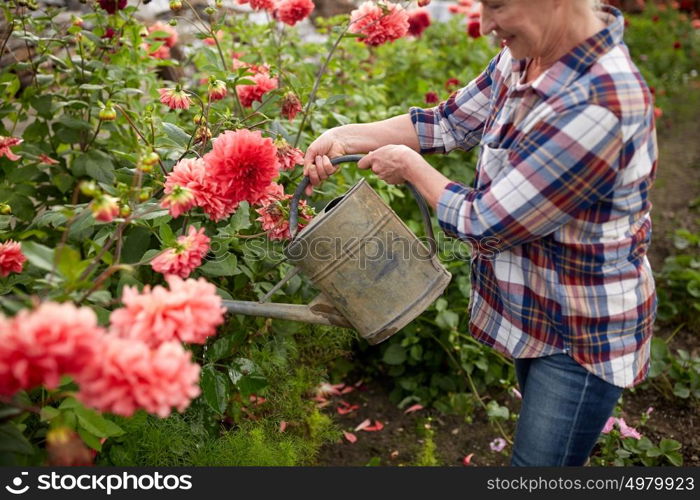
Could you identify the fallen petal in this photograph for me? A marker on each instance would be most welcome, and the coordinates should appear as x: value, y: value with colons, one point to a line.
x: 366, y: 423
x: 378, y: 426
x: 394, y: 454
x: 344, y: 408
x: 468, y: 459
x: 413, y: 408
x: 283, y: 426
x: 352, y: 438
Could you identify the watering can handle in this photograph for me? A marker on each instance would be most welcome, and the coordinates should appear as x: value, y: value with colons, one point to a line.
x: 422, y: 205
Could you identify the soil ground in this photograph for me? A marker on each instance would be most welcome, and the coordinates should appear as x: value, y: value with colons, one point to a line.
x: 675, y: 198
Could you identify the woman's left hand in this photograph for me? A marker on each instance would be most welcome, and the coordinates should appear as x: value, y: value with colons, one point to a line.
x: 391, y: 163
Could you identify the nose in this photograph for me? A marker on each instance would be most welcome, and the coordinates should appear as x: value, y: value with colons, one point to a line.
x: 487, y: 22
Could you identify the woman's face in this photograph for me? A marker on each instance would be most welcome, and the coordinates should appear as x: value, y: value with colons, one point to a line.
x: 527, y: 27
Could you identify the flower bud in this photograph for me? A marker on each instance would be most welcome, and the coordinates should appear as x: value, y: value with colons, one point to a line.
x: 104, y: 208
x: 77, y: 21
x: 151, y: 158
x: 5, y: 209
x: 124, y: 211
x: 209, y: 11
x: 89, y: 188
x: 202, y: 134
x: 107, y: 114
x: 175, y: 5
x: 144, y: 167
x: 173, y: 22
x: 145, y: 194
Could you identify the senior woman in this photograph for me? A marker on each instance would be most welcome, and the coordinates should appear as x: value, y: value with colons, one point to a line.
x: 568, y: 155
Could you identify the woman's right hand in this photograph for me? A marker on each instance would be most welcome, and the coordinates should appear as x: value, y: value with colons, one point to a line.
x: 317, y: 163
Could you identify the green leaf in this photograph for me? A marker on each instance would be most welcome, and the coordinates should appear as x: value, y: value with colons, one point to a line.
x: 176, y: 134
x: 22, y: 206
x: 675, y: 458
x: 91, y: 86
x: 96, y: 424
x: 214, y: 389
x: 69, y: 263
x: 494, y: 410
x: 394, y: 355
x: 12, y: 440
x: 667, y: 445
x: 63, y: 181
x: 48, y: 412
x: 137, y: 242
x: 90, y: 439
x: 220, y: 348
x: 38, y: 255
x: 447, y: 320
x: 166, y: 235
x: 681, y: 390
x: 251, y: 384
x: 96, y: 164
x: 222, y: 267
x: 239, y: 220
x: 42, y: 104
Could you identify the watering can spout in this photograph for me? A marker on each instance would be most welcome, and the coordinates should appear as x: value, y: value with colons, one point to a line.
x: 318, y: 312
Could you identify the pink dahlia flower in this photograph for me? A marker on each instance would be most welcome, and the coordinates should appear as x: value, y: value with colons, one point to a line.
x: 217, y: 90
x: 248, y: 94
x: 189, y: 311
x: 6, y: 143
x: 243, y: 164
x: 130, y: 375
x: 291, y: 106
x: 288, y: 156
x: 105, y: 208
x: 259, y: 4
x: 379, y: 25
x: 174, y: 98
x: 292, y: 11
x: 191, y: 174
x: 178, y: 200
x: 185, y: 257
x: 11, y: 258
x: 37, y: 347
x: 171, y: 39
x: 274, y: 214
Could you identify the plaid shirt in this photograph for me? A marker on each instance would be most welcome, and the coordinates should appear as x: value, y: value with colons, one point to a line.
x: 559, y: 213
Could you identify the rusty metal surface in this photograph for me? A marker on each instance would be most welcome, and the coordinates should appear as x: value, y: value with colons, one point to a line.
x: 291, y: 312
x: 369, y: 265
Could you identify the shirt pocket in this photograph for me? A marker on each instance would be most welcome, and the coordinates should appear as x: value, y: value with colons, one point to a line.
x: 491, y: 162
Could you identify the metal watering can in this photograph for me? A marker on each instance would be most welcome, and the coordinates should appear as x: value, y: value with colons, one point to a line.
x: 374, y: 274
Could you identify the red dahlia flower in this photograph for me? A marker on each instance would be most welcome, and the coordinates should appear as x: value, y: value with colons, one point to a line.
x: 112, y: 6
x: 418, y: 21
x: 243, y: 164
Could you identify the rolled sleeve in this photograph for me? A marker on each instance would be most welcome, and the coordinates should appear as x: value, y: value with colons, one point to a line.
x: 459, y: 121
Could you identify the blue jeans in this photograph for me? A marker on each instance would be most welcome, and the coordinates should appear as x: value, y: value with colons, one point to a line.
x: 564, y: 408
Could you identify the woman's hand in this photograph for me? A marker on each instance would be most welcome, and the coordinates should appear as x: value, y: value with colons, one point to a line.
x: 317, y: 163
x: 391, y: 163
